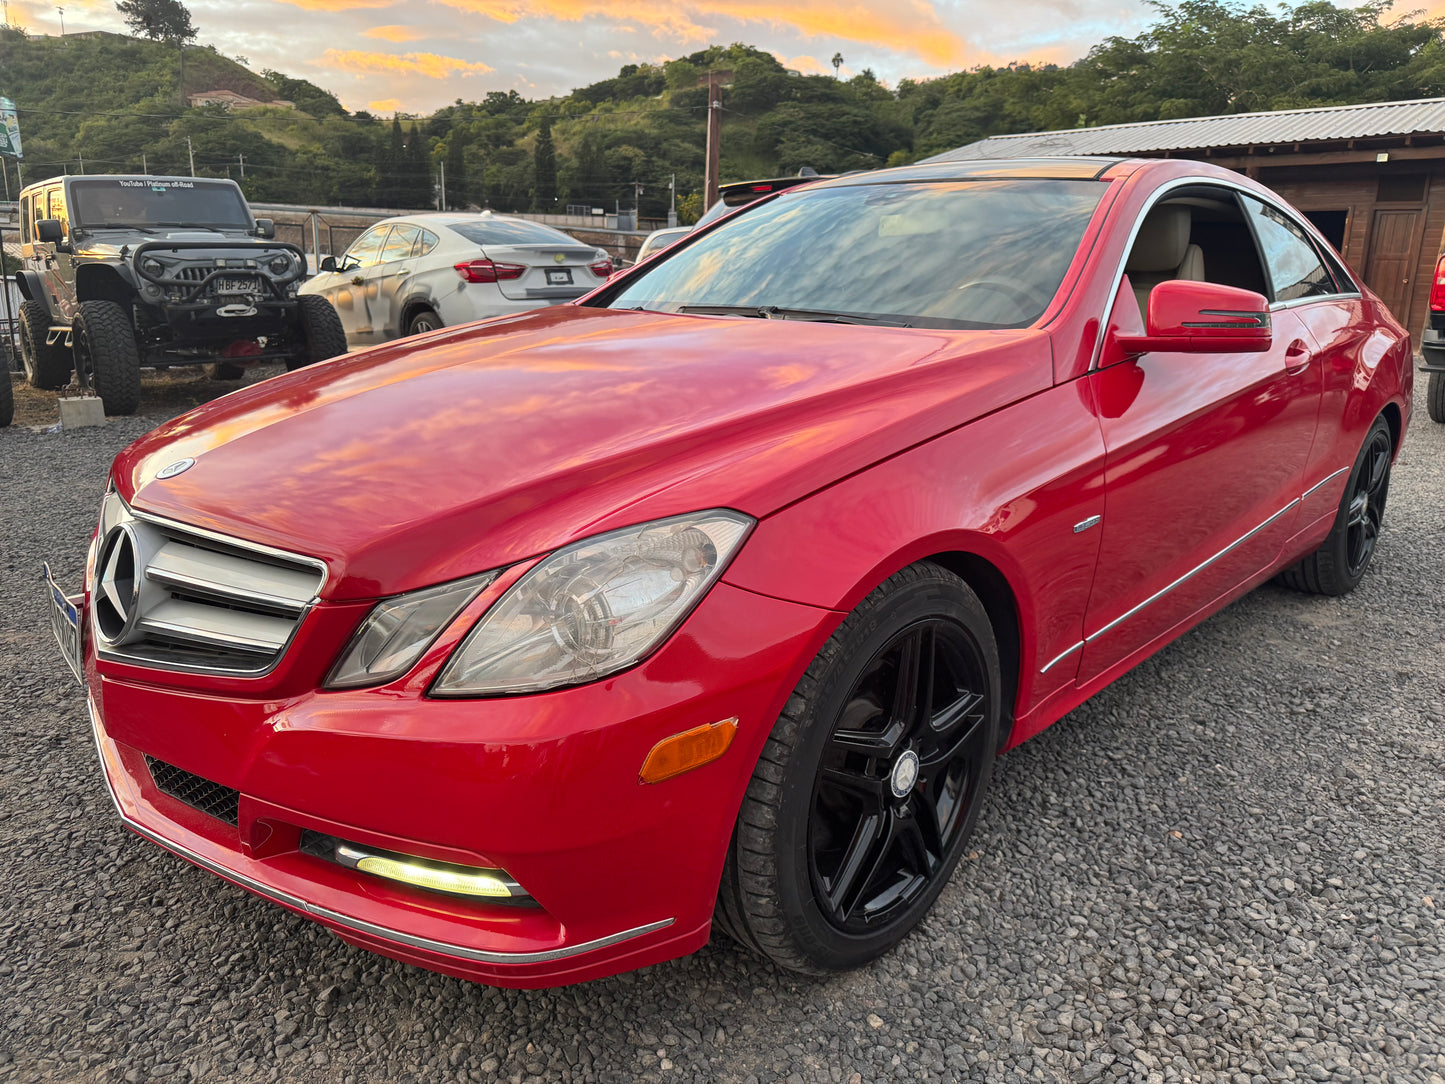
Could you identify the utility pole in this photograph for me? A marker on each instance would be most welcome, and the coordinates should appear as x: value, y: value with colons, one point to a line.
x: 714, y: 81
x: 62, y: 21
x: 192, y: 153
x: 242, y: 157
x: 143, y: 167
x: 672, y: 207
x: 82, y: 162
x: 443, y: 205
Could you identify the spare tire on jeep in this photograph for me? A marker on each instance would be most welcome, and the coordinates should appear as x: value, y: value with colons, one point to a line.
x: 322, y: 336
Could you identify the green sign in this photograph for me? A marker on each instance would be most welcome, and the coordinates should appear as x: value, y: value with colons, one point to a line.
x: 9, y: 130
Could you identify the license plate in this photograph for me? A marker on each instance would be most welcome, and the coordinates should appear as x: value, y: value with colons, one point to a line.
x: 235, y: 286
x: 65, y: 623
x: 559, y: 276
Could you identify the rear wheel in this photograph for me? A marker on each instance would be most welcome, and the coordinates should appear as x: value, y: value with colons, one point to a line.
x: 46, y: 367
x: 424, y: 321
x: 1435, y: 397
x: 322, y: 335
x: 105, y: 348
x: 870, y: 783
x: 1340, y: 562
x: 7, y: 399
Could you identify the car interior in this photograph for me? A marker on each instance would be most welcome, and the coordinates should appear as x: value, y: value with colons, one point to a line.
x: 1199, y: 235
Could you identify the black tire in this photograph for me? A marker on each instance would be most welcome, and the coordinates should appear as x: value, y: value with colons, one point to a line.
x: 1435, y: 397
x: 105, y: 348
x: 322, y: 335
x: 1344, y: 556
x: 424, y: 321
x: 7, y: 399
x: 800, y: 885
x: 46, y: 367
x: 226, y: 370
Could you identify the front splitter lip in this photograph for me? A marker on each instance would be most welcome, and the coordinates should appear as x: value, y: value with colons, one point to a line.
x: 336, y: 918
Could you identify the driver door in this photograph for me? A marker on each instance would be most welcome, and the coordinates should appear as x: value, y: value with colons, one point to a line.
x: 347, y: 290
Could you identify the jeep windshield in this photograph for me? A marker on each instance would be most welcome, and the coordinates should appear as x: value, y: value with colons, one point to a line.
x: 145, y: 203
x: 930, y: 254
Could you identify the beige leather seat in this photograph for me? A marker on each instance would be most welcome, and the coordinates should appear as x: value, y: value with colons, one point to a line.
x: 1162, y: 252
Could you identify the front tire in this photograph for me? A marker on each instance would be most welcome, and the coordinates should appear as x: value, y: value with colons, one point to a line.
x: 1344, y: 556
x: 105, y: 348
x: 322, y: 336
x: 870, y: 784
x: 424, y: 321
x: 1435, y: 397
x: 46, y: 367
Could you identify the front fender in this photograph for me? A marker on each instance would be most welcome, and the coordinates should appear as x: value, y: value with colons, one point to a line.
x: 32, y: 288
x: 104, y: 282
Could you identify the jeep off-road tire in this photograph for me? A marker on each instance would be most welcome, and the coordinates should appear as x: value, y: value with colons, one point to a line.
x: 105, y: 348
x: 323, y: 337
x: 46, y: 367
x: 1435, y: 397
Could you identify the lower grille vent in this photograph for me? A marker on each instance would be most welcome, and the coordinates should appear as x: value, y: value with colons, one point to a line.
x: 212, y: 799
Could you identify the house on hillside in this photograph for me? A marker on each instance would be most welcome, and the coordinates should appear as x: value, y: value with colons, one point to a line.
x: 231, y: 100
x: 1371, y: 177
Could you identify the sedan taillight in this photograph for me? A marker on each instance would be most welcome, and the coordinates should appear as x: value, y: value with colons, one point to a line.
x: 489, y: 271
x: 602, y: 268
x: 1437, y: 287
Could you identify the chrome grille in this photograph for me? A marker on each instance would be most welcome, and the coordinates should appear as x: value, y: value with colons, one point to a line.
x: 200, y: 602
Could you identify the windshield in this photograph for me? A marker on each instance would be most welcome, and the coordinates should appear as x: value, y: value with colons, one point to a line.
x: 956, y: 254
x: 145, y: 202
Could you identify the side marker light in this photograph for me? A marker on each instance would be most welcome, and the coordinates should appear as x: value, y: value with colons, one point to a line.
x: 691, y: 749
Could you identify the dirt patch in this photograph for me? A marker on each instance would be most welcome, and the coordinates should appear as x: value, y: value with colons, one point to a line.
x: 164, y: 392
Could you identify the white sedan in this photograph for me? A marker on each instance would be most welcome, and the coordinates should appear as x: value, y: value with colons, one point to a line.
x: 418, y: 273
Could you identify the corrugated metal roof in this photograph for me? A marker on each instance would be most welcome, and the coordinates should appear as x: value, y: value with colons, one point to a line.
x: 1235, y: 130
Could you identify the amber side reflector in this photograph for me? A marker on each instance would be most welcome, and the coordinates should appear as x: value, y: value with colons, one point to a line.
x: 690, y: 749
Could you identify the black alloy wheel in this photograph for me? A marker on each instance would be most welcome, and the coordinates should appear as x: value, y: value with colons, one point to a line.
x: 1370, y: 487
x: 902, y: 766
x: 870, y: 781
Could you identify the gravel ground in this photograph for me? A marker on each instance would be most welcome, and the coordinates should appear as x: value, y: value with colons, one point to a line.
x: 1230, y: 866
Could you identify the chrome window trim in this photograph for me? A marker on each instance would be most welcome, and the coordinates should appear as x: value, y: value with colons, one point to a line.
x: 165, y: 524
x: 276, y: 895
x: 1219, y: 182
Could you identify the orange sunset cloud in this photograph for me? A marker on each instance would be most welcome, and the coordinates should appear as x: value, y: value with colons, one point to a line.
x: 909, y: 26
x: 396, y: 33
x: 428, y: 64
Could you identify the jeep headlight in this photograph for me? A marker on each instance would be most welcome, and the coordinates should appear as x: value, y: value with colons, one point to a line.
x: 152, y: 267
x: 279, y: 265
x: 595, y: 607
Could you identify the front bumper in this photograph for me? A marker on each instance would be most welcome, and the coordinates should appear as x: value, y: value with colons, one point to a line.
x: 545, y: 787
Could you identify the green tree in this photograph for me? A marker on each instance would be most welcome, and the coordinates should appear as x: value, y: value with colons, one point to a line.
x: 458, y: 185
x: 159, y: 20
x: 544, y: 167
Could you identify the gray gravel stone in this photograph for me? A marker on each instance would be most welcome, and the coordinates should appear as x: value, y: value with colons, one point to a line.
x: 1226, y: 867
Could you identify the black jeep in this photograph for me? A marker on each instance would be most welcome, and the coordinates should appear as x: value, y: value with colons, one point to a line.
x: 125, y: 272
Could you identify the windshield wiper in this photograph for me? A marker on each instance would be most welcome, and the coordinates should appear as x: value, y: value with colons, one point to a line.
x: 773, y: 312
x: 117, y: 226
x: 197, y: 226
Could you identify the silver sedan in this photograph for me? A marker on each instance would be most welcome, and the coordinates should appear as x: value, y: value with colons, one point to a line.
x: 418, y: 273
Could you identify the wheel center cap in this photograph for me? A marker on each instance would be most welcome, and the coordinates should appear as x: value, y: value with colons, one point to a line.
x: 904, y: 774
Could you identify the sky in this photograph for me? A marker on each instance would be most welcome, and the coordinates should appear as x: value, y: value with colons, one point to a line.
x: 417, y: 55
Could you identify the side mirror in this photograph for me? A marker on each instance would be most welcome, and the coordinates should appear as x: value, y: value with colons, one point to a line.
x: 48, y: 231
x: 1201, y: 318
x: 266, y: 228
x: 329, y: 264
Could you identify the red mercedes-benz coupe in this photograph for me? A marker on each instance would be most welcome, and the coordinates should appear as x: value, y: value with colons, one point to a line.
x: 531, y: 650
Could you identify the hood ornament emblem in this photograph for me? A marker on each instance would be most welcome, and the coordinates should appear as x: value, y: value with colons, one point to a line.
x: 180, y: 466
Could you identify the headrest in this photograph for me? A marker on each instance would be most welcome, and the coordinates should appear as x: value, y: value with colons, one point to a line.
x: 1162, y: 240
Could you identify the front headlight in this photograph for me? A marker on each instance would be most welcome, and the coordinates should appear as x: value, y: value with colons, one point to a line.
x: 594, y: 608
x: 399, y: 630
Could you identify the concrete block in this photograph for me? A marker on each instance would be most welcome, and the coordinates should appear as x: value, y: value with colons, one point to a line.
x: 80, y: 412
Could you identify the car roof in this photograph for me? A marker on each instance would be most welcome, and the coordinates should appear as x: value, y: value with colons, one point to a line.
x: 1077, y: 168
x: 59, y: 178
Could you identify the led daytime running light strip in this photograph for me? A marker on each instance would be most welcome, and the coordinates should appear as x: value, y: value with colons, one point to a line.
x: 460, y: 880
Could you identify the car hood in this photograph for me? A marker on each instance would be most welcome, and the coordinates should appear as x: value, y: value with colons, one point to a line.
x: 476, y: 447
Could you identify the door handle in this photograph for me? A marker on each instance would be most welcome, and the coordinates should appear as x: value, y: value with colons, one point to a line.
x: 1296, y: 357
x: 357, y: 280
x: 403, y: 270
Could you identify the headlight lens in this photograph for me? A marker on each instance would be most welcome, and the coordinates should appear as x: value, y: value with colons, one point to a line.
x: 280, y: 265
x: 399, y: 630
x: 594, y: 608
x: 153, y: 267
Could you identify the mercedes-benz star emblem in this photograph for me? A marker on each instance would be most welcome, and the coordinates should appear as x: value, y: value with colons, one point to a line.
x: 904, y: 774
x: 180, y: 466
x: 118, y: 586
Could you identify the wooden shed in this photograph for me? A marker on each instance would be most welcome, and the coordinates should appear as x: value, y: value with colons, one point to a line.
x: 1371, y: 177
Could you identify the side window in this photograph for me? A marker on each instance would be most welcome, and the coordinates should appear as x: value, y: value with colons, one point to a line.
x: 57, y: 210
x: 399, y: 245
x: 425, y: 243
x: 365, y: 249
x: 1295, y: 270
x: 25, y: 221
